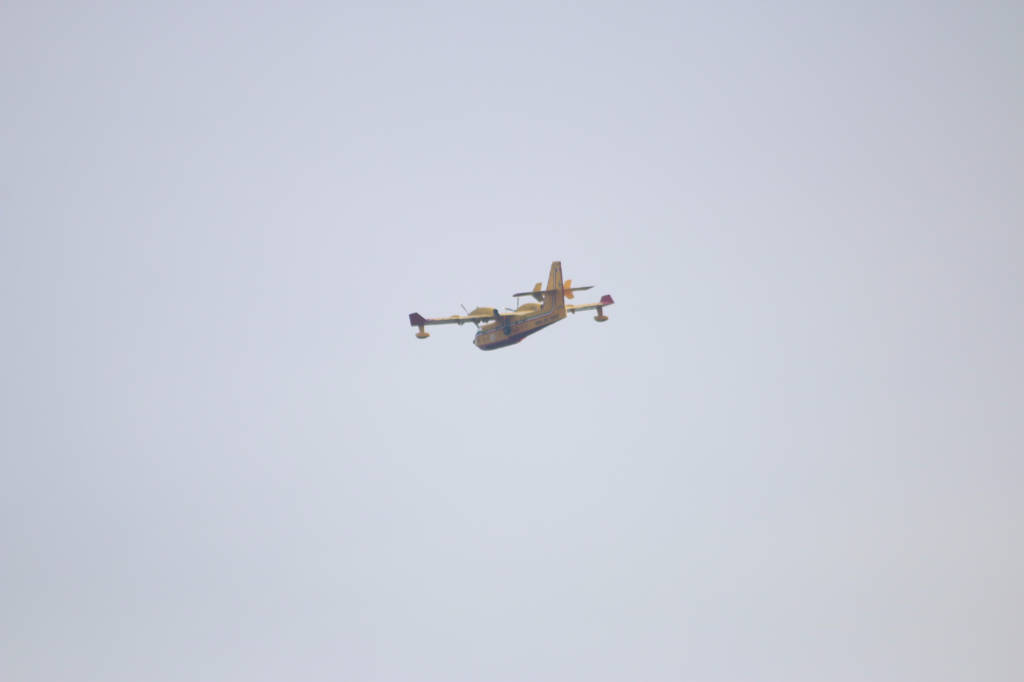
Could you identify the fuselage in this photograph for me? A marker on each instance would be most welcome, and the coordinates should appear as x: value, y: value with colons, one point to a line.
x: 514, y: 328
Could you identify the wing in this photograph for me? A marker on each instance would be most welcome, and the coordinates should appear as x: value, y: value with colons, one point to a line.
x: 417, y: 320
x: 605, y: 300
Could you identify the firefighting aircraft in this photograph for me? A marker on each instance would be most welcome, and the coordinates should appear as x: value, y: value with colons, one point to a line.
x: 502, y: 329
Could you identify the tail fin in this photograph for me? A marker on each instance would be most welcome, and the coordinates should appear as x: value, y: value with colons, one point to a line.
x: 556, y: 287
x: 555, y: 277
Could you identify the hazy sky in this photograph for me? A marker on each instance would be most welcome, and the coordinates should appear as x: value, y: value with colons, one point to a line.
x: 793, y: 453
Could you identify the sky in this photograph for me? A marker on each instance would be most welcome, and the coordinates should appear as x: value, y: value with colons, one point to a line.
x: 792, y: 453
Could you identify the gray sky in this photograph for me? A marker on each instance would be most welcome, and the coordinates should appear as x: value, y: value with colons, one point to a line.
x: 793, y: 453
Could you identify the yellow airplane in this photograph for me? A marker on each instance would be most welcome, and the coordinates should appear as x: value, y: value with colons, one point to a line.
x: 504, y: 329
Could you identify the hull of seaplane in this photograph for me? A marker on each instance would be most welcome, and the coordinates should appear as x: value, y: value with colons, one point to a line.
x: 498, y: 339
x: 499, y: 336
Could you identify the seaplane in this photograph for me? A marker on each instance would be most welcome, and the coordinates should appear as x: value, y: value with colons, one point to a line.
x: 499, y: 329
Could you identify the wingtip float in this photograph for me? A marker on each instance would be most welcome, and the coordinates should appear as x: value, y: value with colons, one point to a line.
x: 497, y: 329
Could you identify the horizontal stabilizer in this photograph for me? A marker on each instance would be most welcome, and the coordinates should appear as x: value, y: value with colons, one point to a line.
x: 534, y: 293
x: 569, y: 288
x: 537, y: 291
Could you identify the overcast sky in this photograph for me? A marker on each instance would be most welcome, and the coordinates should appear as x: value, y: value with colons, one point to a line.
x: 793, y: 452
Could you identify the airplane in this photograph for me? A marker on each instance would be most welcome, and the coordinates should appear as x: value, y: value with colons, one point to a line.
x: 502, y: 329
